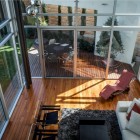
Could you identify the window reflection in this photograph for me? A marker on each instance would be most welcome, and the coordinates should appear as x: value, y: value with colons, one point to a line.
x: 2, y: 116
x: 9, y: 75
x: 1, y: 13
x: 3, y: 33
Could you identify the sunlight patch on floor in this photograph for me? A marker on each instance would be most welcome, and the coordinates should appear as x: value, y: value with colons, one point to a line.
x: 80, y: 96
x: 113, y: 74
x: 80, y: 100
x: 88, y: 87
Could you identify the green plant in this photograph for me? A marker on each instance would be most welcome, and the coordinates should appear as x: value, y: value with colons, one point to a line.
x: 44, y: 6
x: 70, y: 17
x: 85, y: 45
x: 103, y: 43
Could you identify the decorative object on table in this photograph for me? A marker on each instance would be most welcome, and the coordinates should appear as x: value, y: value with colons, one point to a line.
x: 69, y: 124
x: 52, y: 41
x: 102, y: 46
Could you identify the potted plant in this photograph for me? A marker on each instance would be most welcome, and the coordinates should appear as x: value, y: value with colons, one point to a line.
x: 103, y: 43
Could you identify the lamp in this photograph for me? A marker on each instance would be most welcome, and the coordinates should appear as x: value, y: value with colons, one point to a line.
x: 33, y: 9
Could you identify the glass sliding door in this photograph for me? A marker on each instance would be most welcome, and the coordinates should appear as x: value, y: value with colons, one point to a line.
x: 33, y: 51
x: 9, y: 74
x: 91, y: 56
x: 58, y: 52
x: 121, y: 55
x: 136, y: 55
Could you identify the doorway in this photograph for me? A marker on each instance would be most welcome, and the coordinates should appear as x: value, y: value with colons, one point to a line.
x: 58, y: 53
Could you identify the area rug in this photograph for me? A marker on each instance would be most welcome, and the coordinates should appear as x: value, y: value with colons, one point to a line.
x: 69, y: 124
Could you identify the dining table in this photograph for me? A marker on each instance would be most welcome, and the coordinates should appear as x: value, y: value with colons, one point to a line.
x: 58, y: 49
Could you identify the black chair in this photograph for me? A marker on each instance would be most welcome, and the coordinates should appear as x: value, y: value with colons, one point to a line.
x: 38, y: 133
x: 48, y: 114
x: 41, y: 129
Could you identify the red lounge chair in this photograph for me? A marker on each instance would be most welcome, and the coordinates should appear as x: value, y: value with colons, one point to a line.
x: 121, y: 85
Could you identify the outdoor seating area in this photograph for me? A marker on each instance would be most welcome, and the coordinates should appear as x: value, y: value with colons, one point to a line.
x: 60, y: 63
x: 55, y: 52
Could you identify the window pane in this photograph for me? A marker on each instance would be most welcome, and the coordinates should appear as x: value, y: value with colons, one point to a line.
x: 123, y: 44
x: 56, y: 20
x: 29, y: 20
x: 65, y: 8
x: 59, y: 52
x: 92, y: 20
x: 1, y: 13
x: 136, y: 54
x: 4, y: 32
x: 2, y: 116
x: 9, y: 78
x: 91, y: 53
x: 101, y: 6
x: 33, y: 51
x: 53, y: 6
x: 127, y: 6
x: 128, y: 20
x: 20, y: 58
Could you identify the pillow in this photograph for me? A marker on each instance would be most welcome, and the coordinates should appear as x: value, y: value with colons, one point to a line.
x: 51, y: 117
x: 136, y: 109
x: 134, y: 123
x: 132, y: 104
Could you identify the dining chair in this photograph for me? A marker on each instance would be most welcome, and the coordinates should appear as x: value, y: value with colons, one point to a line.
x: 52, y: 41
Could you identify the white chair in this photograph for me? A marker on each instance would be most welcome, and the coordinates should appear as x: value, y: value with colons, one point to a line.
x: 52, y: 41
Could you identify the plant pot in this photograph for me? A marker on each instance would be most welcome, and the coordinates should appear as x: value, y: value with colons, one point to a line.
x: 111, y: 63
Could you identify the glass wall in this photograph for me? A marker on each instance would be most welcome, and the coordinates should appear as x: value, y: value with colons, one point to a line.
x: 99, y: 25
x: 58, y: 53
x: 9, y: 79
x: 10, y: 63
x: 32, y: 43
x: 91, y: 56
x: 3, y: 33
x: 136, y: 54
x: 2, y: 18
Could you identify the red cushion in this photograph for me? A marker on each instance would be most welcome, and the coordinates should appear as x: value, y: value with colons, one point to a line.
x: 135, y: 108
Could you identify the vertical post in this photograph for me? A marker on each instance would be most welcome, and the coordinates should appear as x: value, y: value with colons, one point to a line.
x: 75, y: 38
x: 111, y: 37
x: 23, y: 46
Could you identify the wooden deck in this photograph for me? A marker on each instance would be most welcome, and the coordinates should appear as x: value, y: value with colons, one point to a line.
x: 69, y: 93
x: 88, y: 66
x: 34, y: 62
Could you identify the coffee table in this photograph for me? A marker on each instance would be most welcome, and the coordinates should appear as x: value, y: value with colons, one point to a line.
x: 91, y: 129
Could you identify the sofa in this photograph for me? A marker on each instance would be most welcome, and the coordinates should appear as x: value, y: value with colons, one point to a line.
x: 121, y: 112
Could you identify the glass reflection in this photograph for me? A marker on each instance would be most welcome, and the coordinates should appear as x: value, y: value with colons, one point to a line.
x: 9, y: 78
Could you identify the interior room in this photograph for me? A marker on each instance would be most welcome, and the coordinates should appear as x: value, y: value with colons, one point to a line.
x: 69, y: 70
